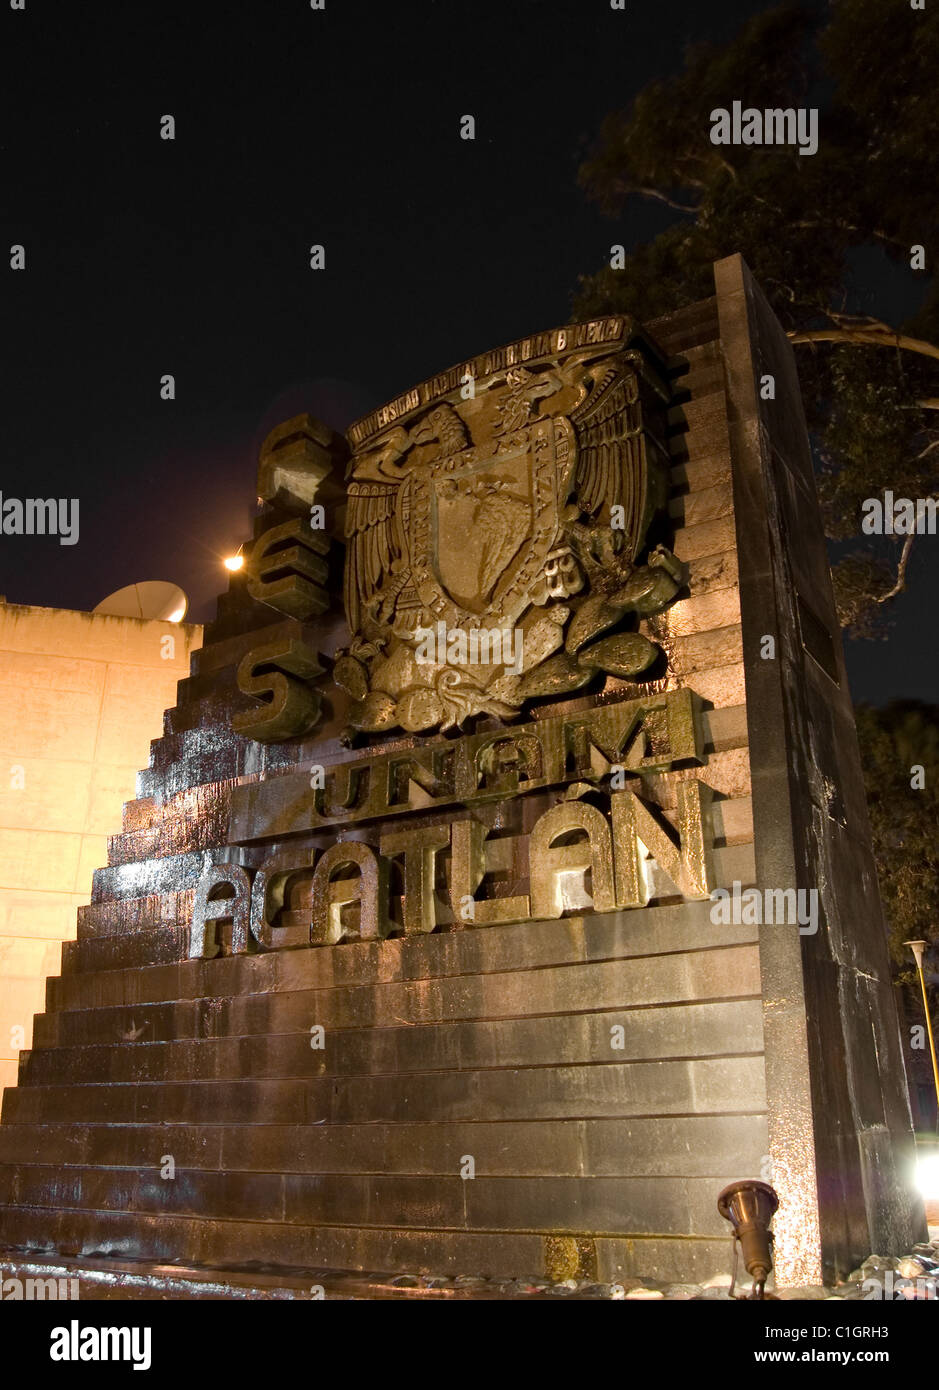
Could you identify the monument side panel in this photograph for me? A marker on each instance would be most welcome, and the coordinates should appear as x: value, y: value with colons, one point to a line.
x: 839, y: 1122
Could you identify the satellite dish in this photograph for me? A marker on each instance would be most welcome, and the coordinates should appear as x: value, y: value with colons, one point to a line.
x: 151, y: 598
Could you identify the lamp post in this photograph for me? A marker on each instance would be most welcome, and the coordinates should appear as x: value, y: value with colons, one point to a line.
x: 919, y: 949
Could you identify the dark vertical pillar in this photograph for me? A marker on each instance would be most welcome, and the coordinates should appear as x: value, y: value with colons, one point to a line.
x: 839, y: 1121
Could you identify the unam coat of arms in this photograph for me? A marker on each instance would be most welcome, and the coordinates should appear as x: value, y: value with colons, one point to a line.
x: 518, y: 508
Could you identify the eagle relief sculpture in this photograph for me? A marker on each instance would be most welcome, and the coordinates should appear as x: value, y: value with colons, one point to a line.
x: 496, y: 540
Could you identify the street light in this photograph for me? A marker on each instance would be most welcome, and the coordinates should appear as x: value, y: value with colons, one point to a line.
x: 919, y: 950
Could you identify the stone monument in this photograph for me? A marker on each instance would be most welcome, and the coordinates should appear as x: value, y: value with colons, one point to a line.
x: 501, y: 887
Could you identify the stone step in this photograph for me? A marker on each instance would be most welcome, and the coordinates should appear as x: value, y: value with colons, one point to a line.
x: 704, y: 505
x: 226, y: 653
x: 236, y: 612
x: 631, y: 1206
x: 692, y: 1146
x: 704, y: 361
x: 698, y: 387
x: 644, y: 981
x: 135, y: 950
x: 147, y: 878
x: 703, y: 613
x: 702, y: 473
x: 708, y: 538
x: 213, y: 708
x: 700, y: 334
x: 317, y: 974
x: 713, y: 570
x: 128, y: 916
x: 550, y: 1040
x: 192, y: 757
x: 698, y: 413
x: 686, y: 328
x: 137, y: 814
x: 223, y: 1243
x: 709, y: 436
x: 717, y: 1085
x: 198, y: 820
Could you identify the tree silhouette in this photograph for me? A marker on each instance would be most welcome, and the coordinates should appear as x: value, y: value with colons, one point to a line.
x: 871, y: 388
x: 896, y: 742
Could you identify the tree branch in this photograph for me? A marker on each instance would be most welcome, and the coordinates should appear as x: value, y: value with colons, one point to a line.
x: 654, y: 193
x: 901, y: 571
x: 811, y: 223
x: 881, y: 336
x: 707, y: 160
x: 858, y: 321
x: 850, y: 227
x: 900, y: 584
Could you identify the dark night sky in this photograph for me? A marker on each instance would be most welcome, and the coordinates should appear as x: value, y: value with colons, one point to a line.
x: 191, y: 257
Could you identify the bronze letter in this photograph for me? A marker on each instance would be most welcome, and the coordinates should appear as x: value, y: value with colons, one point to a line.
x: 369, y: 889
x: 209, y: 908
x: 687, y: 864
x: 467, y: 870
x: 419, y: 848
x: 289, y: 707
x: 267, y: 894
x: 548, y: 861
x: 289, y: 577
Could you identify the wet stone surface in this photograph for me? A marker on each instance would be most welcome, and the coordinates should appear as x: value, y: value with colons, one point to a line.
x: 911, y: 1277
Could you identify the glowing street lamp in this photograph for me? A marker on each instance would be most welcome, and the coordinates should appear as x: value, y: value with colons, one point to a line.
x: 927, y: 1177
x: 234, y: 562
x: 919, y: 950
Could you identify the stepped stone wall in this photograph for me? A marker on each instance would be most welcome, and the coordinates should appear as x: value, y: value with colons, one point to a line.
x: 494, y: 1042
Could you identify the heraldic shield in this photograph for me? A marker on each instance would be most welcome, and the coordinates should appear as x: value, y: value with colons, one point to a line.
x: 495, y: 534
x: 481, y: 524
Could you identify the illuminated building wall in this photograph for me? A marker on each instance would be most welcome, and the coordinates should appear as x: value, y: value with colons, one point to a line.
x: 83, y: 695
